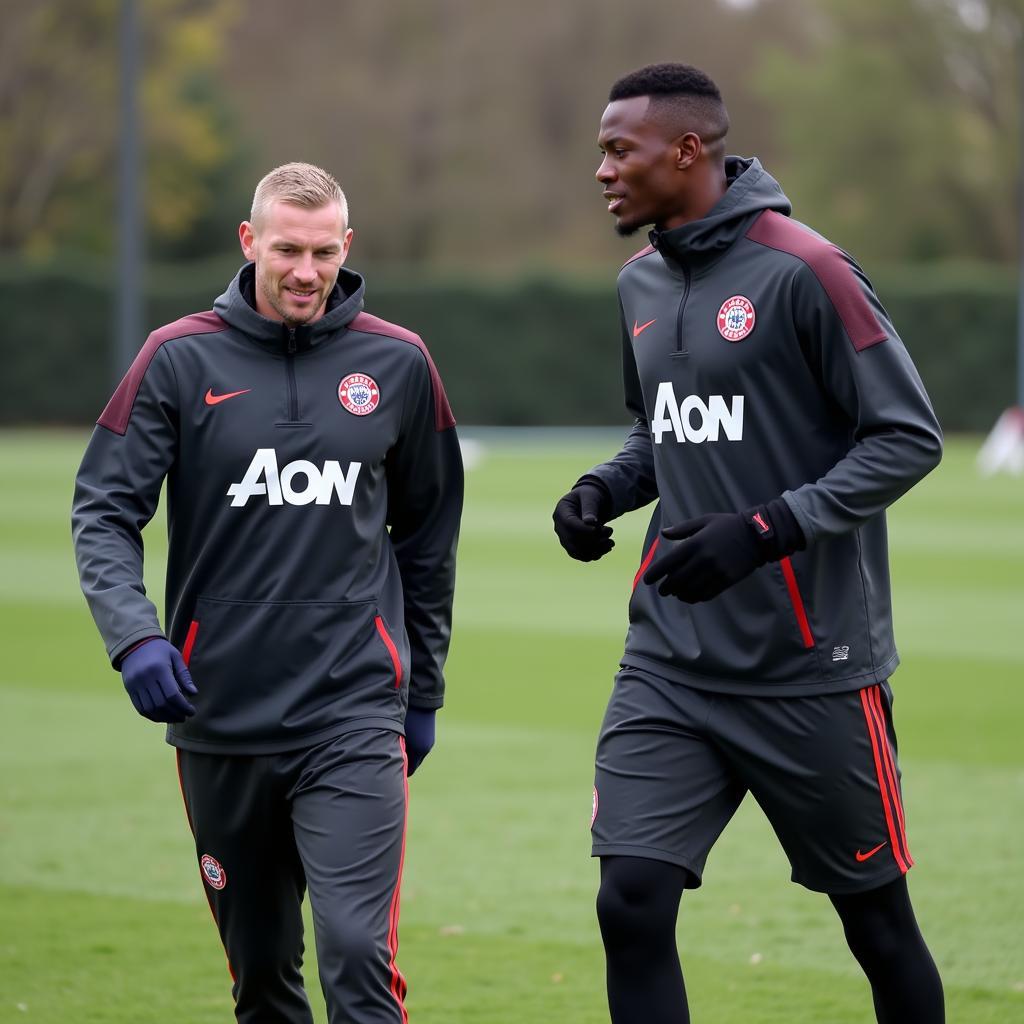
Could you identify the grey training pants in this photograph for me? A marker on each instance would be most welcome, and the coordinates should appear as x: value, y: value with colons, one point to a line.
x: 331, y: 817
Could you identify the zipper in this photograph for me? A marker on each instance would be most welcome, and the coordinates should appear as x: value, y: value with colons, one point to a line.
x: 396, y: 661
x: 289, y: 364
x: 190, y: 641
x: 648, y: 558
x: 681, y: 349
x: 798, y: 602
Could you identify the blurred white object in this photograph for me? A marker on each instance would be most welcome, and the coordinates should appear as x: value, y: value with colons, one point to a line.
x: 472, y: 452
x: 1004, y: 447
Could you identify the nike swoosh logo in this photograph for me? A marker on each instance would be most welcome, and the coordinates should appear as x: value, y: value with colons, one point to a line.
x: 212, y: 399
x: 639, y: 328
x: 865, y: 856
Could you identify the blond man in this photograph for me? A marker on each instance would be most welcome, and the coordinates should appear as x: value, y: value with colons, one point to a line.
x: 314, y: 489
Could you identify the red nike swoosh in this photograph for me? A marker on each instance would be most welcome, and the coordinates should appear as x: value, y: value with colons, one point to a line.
x: 864, y: 856
x: 639, y: 328
x: 212, y: 399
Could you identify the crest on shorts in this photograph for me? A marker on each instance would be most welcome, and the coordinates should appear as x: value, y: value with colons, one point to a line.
x: 736, y: 318
x: 216, y: 877
x: 593, y: 809
x: 359, y: 394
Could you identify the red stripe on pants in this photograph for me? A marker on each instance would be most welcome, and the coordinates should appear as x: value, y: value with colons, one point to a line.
x: 206, y: 890
x: 875, y: 701
x: 880, y: 774
x: 398, y: 983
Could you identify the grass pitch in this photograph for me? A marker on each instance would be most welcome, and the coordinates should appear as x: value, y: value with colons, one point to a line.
x: 102, y: 915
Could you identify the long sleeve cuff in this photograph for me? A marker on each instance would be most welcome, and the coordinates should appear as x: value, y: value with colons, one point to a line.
x: 776, y: 528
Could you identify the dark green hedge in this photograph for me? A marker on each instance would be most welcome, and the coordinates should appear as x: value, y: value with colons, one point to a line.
x: 541, y: 351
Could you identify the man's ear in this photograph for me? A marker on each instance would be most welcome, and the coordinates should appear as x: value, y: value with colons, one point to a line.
x: 688, y: 150
x: 346, y: 243
x: 247, y: 239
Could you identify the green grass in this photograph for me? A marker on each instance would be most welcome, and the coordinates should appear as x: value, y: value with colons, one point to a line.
x: 102, y: 915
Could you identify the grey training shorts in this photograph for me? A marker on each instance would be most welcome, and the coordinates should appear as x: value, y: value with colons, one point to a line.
x: 674, y: 763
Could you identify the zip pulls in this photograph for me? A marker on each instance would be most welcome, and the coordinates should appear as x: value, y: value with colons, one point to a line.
x: 681, y: 350
x: 289, y: 363
x: 294, y: 338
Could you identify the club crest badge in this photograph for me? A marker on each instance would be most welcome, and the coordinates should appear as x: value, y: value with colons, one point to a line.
x: 736, y: 318
x: 216, y: 877
x: 359, y: 394
x: 593, y: 809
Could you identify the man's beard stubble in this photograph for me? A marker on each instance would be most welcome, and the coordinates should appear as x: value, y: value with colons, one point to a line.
x: 286, y: 317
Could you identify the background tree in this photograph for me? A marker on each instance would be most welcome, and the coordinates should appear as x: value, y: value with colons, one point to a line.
x: 58, y: 128
x: 899, y: 123
x: 465, y: 133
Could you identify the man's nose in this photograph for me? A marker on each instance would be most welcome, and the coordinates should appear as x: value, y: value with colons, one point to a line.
x: 304, y: 269
x: 605, y: 172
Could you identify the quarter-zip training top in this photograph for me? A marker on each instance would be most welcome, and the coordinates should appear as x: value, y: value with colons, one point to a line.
x: 314, y: 490
x: 758, y: 362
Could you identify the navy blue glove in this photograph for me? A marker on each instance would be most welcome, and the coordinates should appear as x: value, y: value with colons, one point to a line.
x: 419, y: 735
x: 720, y: 549
x: 579, y: 522
x: 157, y: 680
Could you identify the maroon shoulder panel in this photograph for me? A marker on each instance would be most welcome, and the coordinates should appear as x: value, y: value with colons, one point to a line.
x: 830, y: 268
x: 116, y: 415
x: 369, y: 324
x: 645, y: 251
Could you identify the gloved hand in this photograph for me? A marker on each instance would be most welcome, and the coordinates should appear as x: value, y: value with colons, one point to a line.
x: 720, y: 549
x: 579, y: 519
x: 157, y: 680
x: 419, y: 735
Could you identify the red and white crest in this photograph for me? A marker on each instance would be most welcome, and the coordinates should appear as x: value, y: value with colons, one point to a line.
x: 359, y: 394
x: 216, y: 877
x: 736, y: 318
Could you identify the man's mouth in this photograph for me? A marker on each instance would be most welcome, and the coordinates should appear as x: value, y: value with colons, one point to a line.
x: 300, y: 294
x: 615, y: 200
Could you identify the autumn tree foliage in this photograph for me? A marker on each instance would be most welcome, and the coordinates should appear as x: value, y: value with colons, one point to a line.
x: 59, y: 130
x: 465, y: 132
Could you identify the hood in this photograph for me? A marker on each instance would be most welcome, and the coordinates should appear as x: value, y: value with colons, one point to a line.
x: 237, y: 308
x: 750, y: 191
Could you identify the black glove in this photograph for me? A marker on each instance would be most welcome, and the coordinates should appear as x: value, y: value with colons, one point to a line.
x: 579, y: 522
x: 419, y: 735
x: 720, y: 549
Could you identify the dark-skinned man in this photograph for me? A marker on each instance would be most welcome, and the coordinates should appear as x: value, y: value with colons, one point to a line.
x: 777, y: 415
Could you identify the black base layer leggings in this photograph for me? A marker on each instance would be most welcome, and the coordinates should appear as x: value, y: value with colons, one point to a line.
x: 637, y: 907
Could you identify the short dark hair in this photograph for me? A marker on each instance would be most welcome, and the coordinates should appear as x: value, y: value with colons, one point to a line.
x: 665, y: 80
x: 683, y: 98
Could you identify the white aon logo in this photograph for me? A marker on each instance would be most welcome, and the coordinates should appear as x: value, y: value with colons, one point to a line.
x: 318, y: 485
x: 713, y: 417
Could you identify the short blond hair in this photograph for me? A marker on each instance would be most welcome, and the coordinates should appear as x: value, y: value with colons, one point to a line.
x: 304, y: 185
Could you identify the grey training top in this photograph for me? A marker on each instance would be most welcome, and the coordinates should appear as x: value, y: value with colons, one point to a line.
x: 758, y: 362
x: 314, y: 489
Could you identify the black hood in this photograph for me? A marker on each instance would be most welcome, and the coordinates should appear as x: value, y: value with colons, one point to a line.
x: 751, y: 190
x: 237, y: 308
